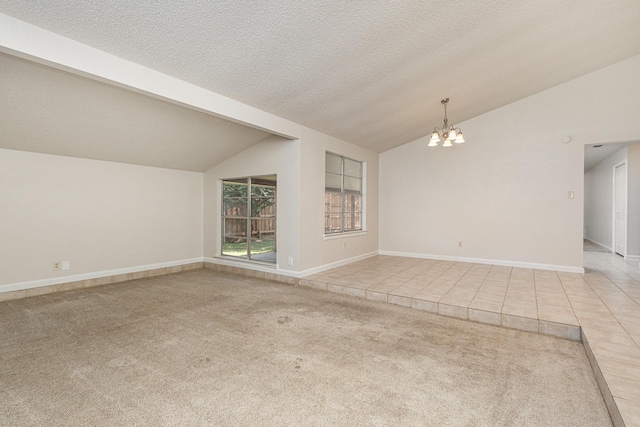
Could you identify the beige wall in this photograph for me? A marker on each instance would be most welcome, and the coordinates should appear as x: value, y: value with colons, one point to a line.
x: 315, y: 250
x: 100, y: 216
x: 633, y: 201
x: 299, y: 166
x: 504, y: 192
x: 275, y: 155
x: 103, y: 216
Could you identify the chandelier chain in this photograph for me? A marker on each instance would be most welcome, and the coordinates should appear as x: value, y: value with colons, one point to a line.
x: 448, y: 132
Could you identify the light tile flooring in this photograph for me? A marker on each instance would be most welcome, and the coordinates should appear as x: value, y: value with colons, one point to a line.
x: 603, y: 304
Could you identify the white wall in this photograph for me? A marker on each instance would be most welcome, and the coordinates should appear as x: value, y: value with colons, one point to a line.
x: 598, y: 199
x: 504, y: 192
x: 633, y: 201
x: 98, y: 215
x: 275, y: 155
x: 299, y: 166
x: 316, y: 251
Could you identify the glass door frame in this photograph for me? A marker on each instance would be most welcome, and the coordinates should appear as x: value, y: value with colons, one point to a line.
x: 248, y: 181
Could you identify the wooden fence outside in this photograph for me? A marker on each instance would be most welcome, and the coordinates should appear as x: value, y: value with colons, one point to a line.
x: 263, y: 225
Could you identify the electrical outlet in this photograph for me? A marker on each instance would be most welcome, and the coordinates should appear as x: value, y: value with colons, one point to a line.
x: 459, y: 244
x: 290, y: 260
x: 344, y: 245
x: 56, y: 266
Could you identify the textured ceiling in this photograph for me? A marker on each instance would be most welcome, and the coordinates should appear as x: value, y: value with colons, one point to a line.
x: 368, y: 72
x: 51, y: 111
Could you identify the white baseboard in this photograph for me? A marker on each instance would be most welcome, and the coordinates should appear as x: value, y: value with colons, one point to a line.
x: 250, y: 266
x: 95, y: 275
x: 565, y: 268
x: 331, y: 265
x: 273, y: 269
x: 269, y: 269
x: 599, y: 244
x: 632, y: 257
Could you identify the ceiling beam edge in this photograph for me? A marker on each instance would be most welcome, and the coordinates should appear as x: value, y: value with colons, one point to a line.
x: 33, y: 43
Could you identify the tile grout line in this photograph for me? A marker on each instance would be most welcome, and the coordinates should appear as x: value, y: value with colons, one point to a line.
x: 478, y: 290
x: 434, y: 279
x: 622, y: 290
x: 610, y: 311
x: 603, y: 303
x: 408, y: 280
x: 506, y: 291
x: 564, y: 290
x: 457, y: 281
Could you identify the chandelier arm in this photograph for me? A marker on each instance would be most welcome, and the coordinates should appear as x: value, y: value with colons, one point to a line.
x: 448, y: 132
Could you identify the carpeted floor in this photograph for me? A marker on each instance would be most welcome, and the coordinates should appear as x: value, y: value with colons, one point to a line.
x: 204, y: 348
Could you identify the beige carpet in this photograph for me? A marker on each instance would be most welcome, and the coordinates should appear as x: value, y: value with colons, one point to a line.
x: 203, y: 348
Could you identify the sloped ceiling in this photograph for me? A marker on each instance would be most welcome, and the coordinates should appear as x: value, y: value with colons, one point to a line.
x: 50, y: 111
x: 368, y: 72
x: 595, y: 153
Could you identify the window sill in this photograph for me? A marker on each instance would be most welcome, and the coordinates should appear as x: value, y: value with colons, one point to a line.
x: 345, y: 235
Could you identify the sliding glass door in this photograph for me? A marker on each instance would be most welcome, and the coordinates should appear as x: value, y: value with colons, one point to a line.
x: 249, y: 218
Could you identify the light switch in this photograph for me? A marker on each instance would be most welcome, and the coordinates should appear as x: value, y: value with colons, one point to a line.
x: 572, y: 194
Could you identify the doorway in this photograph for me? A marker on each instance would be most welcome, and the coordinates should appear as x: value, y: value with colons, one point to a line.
x: 620, y: 209
x: 249, y: 218
x: 600, y: 161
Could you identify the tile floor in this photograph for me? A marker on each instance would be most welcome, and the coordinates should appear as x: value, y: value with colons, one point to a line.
x: 600, y: 307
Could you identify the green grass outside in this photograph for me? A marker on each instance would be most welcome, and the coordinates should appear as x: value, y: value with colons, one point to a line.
x: 257, y: 247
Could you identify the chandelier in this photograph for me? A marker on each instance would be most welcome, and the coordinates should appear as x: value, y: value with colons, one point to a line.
x: 448, y: 132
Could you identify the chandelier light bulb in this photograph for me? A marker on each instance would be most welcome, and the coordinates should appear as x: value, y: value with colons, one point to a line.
x: 448, y: 132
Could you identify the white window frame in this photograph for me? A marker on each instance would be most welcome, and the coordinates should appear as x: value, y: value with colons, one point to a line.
x: 248, y: 218
x: 349, y: 233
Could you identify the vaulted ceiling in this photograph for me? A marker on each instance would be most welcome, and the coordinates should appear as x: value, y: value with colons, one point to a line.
x: 50, y: 111
x: 371, y: 73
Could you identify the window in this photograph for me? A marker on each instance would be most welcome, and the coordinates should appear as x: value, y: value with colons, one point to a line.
x: 342, y: 194
x: 249, y: 218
